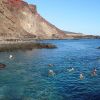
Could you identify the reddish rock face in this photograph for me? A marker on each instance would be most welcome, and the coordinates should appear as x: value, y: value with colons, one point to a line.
x: 14, y: 2
x: 19, y: 19
x: 33, y: 8
x: 17, y: 3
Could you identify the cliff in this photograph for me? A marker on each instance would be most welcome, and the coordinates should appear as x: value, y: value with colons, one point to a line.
x: 21, y: 20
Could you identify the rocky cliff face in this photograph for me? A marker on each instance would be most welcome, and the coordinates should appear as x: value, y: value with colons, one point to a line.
x: 18, y: 19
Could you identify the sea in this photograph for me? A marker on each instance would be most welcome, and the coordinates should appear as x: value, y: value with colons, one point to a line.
x: 26, y: 75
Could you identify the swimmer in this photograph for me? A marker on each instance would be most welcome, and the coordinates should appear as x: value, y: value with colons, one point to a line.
x: 10, y: 56
x: 51, y: 73
x: 93, y: 73
x: 71, y: 69
x: 81, y: 76
x: 50, y: 65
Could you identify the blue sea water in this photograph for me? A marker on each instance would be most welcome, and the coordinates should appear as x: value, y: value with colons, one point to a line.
x: 26, y: 75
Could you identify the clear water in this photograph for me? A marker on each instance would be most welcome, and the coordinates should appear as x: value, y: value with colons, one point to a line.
x: 26, y: 76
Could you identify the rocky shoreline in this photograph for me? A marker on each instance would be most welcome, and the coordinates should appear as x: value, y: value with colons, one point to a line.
x: 29, y: 44
x: 24, y: 45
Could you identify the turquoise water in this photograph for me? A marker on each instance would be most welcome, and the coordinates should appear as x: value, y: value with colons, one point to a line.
x: 26, y: 75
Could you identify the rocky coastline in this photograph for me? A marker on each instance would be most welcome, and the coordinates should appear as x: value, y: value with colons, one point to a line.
x: 24, y: 45
x: 20, y: 24
x: 10, y: 44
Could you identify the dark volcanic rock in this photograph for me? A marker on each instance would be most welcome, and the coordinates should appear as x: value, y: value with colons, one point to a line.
x: 2, y: 66
x: 98, y: 47
x: 26, y: 46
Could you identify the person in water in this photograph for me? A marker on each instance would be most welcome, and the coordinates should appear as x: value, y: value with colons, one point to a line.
x: 51, y: 73
x: 94, y: 72
x: 10, y: 56
x: 50, y: 65
x: 70, y: 69
x: 81, y: 76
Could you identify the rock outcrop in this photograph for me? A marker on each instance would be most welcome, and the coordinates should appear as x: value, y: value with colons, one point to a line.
x: 2, y: 66
x: 98, y: 47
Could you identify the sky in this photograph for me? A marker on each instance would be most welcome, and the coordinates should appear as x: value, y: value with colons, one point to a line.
x: 81, y: 16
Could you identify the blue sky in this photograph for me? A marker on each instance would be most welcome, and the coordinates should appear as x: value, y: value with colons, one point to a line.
x: 71, y: 15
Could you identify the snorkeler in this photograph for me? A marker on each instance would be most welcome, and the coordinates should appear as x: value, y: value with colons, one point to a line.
x: 50, y: 65
x: 51, y: 73
x: 81, y: 76
x: 93, y: 73
x: 71, y: 69
x: 10, y: 56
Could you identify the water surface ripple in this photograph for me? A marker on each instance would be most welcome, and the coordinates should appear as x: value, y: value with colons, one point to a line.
x: 26, y: 75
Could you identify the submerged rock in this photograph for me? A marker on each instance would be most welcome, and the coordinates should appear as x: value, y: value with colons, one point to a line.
x: 98, y: 47
x: 2, y: 66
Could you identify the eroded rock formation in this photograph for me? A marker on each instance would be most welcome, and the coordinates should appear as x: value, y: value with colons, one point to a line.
x: 19, y: 19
